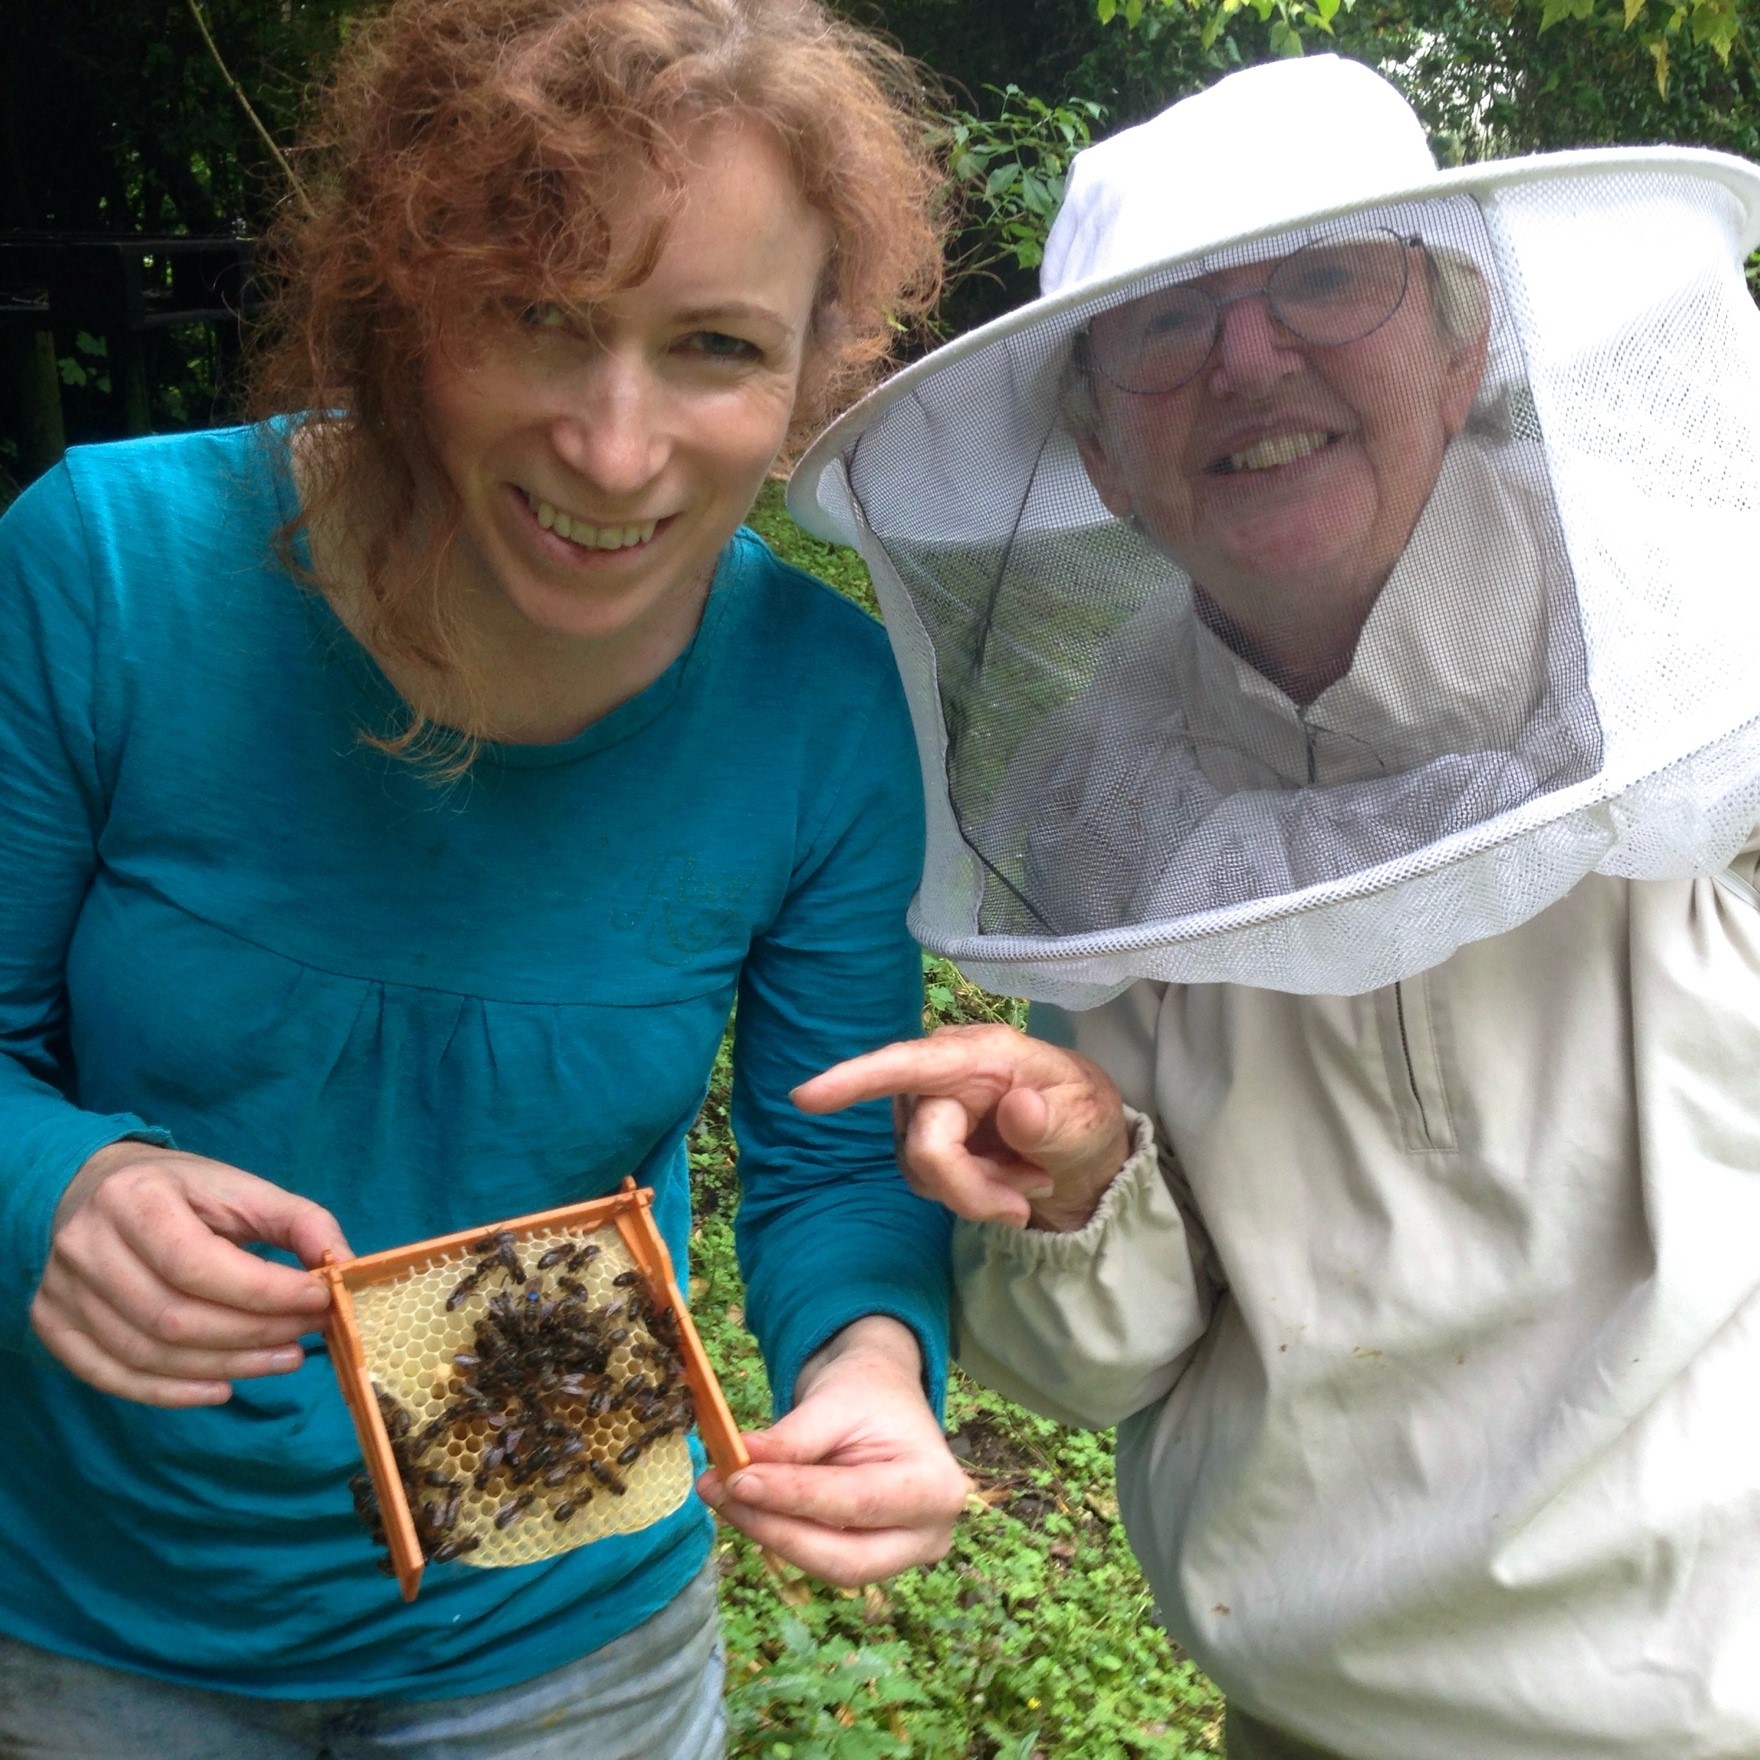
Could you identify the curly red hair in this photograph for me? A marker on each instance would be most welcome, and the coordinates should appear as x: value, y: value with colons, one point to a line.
x: 468, y: 157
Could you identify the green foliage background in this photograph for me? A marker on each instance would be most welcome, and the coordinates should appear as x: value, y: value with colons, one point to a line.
x: 1490, y: 78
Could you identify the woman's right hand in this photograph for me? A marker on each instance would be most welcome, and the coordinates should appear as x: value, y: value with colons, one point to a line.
x: 997, y: 1126
x: 149, y: 1293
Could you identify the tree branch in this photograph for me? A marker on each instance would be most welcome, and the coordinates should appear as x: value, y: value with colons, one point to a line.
x: 299, y: 189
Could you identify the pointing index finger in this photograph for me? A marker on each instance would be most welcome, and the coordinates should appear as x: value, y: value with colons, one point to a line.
x: 912, y: 1066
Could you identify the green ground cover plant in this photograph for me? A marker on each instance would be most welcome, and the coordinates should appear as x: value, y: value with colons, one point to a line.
x: 1035, y: 1639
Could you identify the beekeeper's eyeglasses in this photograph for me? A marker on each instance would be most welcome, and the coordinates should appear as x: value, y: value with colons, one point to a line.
x: 1332, y: 291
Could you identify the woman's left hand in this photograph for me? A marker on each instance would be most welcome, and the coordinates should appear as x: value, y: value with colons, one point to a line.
x: 856, y: 1483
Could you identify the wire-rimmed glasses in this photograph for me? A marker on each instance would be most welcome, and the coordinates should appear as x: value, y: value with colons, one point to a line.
x: 1336, y: 289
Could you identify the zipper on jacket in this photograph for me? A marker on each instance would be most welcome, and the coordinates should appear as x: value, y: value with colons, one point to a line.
x: 1405, y: 1045
x: 1415, y: 1068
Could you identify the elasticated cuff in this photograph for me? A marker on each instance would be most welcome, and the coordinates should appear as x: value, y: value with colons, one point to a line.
x: 1043, y: 1246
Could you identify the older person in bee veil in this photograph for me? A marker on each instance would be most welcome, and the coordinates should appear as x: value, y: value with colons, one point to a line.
x: 1373, y: 635
x: 1356, y: 747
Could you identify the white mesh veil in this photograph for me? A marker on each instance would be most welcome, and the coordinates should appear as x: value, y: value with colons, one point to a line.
x: 1307, y: 667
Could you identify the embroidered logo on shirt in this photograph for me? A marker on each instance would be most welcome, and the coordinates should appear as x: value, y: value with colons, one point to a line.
x: 687, y: 911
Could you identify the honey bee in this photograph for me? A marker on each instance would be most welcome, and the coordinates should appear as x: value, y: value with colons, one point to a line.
x: 501, y: 1248
x: 455, y: 1413
x: 395, y: 1414
x: 513, y: 1509
x: 466, y: 1284
x: 606, y: 1476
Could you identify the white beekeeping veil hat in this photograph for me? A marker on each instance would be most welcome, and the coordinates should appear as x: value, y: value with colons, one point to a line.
x: 1337, y: 563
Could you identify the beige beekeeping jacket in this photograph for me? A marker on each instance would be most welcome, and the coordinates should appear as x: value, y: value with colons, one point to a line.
x: 1431, y: 1321
x: 1433, y: 1331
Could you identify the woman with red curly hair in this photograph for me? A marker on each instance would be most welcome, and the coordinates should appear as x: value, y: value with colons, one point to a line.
x: 399, y: 793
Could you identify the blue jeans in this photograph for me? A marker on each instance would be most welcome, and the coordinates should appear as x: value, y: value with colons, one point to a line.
x: 653, y: 1694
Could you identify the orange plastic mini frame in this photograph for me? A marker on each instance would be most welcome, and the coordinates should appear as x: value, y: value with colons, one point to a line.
x: 629, y: 1211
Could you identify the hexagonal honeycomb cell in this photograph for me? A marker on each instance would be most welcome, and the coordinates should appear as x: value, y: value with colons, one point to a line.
x: 532, y: 1391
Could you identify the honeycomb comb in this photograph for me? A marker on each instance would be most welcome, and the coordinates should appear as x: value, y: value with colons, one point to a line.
x: 521, y: 1389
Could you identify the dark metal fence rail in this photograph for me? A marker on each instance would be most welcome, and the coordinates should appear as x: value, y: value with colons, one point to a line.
x: 120, y: 288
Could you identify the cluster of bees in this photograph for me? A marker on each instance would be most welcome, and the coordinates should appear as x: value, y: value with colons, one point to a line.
x: 530, y: 1397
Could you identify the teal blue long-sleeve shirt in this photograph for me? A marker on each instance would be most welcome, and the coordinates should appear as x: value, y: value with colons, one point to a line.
x: 228, y: 924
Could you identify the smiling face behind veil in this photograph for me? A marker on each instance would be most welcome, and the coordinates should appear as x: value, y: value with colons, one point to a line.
x: 1277, y: 429
x: 1363, y: 639
x: 1281, y: 597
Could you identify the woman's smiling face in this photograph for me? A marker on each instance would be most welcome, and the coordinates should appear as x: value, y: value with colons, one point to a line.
x: 1285, y: 477
x: 602, y: 460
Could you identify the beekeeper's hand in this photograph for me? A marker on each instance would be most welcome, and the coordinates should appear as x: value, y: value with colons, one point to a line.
x: 857, y: 1482
x: 997, y: 1126
x: 149, y: 1293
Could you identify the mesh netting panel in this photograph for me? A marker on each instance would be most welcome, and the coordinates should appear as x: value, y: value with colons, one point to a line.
x: 1337, y: 599
x: 517, y: 1441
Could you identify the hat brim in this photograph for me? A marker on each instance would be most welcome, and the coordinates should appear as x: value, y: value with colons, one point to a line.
x: 808, y: 507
